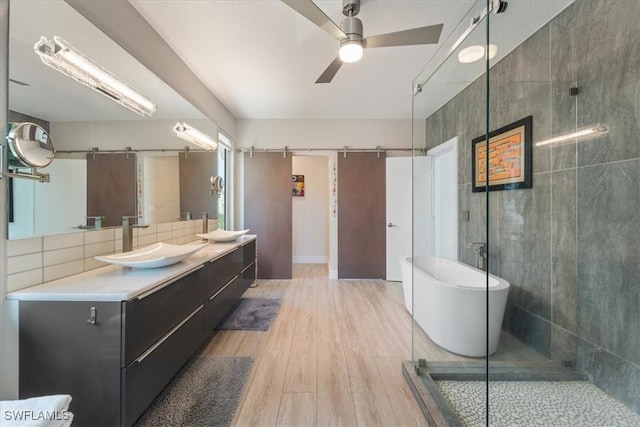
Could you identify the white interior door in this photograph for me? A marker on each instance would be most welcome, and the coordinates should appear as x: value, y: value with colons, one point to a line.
x: 444, y: 205
x: 398, y: 190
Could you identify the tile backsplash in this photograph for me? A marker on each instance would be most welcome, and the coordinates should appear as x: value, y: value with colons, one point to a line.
x: 36, y: 260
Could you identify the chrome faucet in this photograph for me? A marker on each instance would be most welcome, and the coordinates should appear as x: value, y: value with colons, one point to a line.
x: 480, y: 249
x: 127, y: 232
x: 205, y: 223
x: 97, y: 221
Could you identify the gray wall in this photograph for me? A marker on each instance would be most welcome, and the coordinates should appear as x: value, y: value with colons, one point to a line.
x: 569, y: 246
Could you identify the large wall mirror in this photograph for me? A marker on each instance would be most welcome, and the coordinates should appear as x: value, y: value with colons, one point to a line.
x: 145, y: 182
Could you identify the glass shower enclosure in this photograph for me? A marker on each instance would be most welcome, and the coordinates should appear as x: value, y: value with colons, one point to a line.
x: 524, y: 280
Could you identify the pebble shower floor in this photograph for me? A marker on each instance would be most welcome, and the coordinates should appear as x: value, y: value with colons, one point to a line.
x: 536, y: 403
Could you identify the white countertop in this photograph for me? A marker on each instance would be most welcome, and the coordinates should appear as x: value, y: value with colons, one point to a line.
x: 115, y: 283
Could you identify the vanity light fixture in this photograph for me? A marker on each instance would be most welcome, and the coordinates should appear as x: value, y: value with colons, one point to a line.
x: 61, y: 56
x: 589, y: 132
x: 194, y: 136
x: 475, y: 53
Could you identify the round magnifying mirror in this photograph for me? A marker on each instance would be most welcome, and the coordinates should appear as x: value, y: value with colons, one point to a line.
x: 217, y: 183
x: 29, y: 146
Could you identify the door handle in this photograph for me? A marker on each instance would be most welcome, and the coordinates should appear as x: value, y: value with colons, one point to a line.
x: 391, y: 225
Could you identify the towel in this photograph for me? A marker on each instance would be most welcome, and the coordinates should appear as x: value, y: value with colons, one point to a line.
x: 44, y: 411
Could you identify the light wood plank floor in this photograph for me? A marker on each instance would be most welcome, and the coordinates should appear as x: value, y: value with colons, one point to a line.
x: 332, y: 356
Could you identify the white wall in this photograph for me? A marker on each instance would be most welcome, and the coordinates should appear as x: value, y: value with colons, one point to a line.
x: 116, y: 135
x: 161, y: 189
x: 311, y: 212
x: 331, y: 133
x: 67, y: 191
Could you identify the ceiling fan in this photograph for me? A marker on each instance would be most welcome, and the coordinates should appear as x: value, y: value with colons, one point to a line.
x: 350, y: 32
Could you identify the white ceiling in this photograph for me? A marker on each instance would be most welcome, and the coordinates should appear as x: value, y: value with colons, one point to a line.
x: 259, y: 57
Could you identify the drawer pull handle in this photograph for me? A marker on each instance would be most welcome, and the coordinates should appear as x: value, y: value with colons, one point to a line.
x: 93, y: 314
x: 223, y: 288
x: 247, y: 267
x: 164, y: 285
x: 166, y: 337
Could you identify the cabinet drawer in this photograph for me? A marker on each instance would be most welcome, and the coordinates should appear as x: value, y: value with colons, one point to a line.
x: 218, y: 305
x: 147, y: 376
x: 217, y: 273
x: 149, y: 317
x: 248, y: 253
x: 247, y: 277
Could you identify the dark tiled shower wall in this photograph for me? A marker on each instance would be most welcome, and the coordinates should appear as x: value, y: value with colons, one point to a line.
x: 569, y: 246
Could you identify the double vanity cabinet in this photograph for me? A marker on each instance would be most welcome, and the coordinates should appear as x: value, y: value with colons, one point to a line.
x: 115, y: 352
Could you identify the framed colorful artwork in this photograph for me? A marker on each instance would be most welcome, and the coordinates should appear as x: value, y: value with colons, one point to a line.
x: 298, y: 185
x: 509, y: 158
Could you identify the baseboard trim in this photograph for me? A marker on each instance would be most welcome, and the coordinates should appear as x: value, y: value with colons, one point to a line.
x: 310, y: 260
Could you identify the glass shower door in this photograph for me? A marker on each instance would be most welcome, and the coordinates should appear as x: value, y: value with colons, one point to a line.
x: 568, y: 244
x: 546, y: 188
x: 449, y: 225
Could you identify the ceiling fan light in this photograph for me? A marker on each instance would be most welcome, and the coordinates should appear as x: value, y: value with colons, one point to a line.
x: 351, y: 51
x: 475, y: 53
x: 471, y: 54
x: 493, y: 51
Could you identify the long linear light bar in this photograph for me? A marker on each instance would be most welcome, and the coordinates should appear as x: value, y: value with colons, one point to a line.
x: 194, y: 136
x: 61, y: 56
x: 589, y: 132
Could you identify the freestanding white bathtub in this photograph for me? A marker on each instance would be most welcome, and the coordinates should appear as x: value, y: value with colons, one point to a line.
x: 449, y: 298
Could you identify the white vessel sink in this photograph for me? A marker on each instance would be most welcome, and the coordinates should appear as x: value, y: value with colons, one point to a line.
x: 222, y: 235
x: 154, y: 256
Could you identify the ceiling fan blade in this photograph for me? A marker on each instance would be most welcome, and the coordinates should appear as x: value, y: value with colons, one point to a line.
x: 331, y: 71
x: 313, y: 13
x: 422, y: 35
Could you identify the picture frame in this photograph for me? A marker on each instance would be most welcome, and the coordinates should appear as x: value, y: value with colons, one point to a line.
x: 297, y: 182
x: 510, y: 158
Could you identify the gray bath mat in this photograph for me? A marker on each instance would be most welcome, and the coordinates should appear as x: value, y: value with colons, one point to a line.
x: 205, y: 392
x: 251, y: 314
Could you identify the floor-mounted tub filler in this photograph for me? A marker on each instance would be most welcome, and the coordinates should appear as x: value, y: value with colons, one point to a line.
x: 450, y: 301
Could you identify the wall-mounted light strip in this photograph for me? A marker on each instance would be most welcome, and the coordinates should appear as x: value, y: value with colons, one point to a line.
x: 589, y: 132
x: 194, y: 136
x: 63, y: 57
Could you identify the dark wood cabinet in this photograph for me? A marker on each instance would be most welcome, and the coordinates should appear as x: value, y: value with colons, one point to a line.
x: 219, y: 272
x: 115, y: 357
x: 145, y: 378
x: 60, y: 353
x: 148, y: 317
